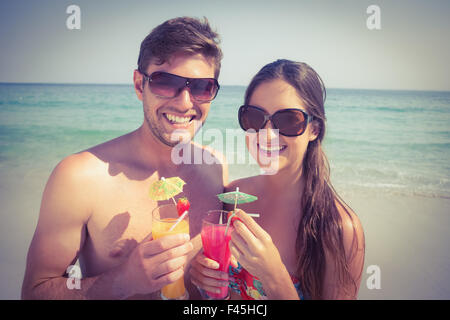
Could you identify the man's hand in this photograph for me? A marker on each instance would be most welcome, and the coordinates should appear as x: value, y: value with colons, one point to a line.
x: 152, y: 265
x: 204, y: 274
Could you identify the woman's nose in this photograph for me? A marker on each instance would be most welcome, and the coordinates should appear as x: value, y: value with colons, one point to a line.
x: 271, y: 131
x: 269, y: 135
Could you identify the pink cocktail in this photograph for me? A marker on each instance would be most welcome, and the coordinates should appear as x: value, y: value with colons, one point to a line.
x: 216, y: 244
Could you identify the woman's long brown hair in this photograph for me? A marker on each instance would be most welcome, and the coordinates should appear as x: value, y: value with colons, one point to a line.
x: 320, y: 228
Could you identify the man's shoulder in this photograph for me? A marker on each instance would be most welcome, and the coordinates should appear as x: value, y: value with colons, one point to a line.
x: 78, y: 167
x: 96, y: 158
x: 111, y: 149
x: 210, y: 155
x: 80, y: 162
x: 213, y: 162
x: 69, y: 189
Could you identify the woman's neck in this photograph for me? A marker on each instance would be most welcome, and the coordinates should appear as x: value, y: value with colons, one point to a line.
x: 287, y: 184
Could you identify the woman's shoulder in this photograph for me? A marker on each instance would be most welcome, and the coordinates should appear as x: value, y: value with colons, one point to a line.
x: 248, y: 184
x: 349, y: 218
x: 352, y: 229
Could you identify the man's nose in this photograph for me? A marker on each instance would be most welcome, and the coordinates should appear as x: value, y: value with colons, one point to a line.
x: 183, y: 101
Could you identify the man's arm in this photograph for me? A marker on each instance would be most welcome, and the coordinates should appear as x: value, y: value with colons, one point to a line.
x: 60, y: 235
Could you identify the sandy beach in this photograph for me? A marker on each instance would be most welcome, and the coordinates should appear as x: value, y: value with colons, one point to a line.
x: 406, y: 236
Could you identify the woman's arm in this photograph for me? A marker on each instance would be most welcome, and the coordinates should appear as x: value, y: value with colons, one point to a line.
x: 354, y: 245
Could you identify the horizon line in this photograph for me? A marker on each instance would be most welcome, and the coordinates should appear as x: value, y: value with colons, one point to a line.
x: 224, y: 85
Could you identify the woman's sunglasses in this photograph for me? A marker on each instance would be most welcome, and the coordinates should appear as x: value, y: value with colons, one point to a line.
x: 167, y: 85
x: 289, y: 122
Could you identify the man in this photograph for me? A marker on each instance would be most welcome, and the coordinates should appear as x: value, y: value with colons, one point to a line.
x: 96, y: 207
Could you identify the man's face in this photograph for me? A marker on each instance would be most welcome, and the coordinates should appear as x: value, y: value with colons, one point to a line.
x: 165, y: 115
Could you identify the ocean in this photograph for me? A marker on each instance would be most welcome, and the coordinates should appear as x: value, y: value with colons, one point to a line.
x: 394, y: 142
x: 378, y: 143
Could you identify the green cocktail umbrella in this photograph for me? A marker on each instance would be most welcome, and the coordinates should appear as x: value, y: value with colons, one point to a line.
x: 235, y: 197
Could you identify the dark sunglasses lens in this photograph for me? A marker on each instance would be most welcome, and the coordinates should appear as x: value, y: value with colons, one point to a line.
x: 290, y: 122
x: 203, y: 89
x: 165, y: 85
x: 251, y: 118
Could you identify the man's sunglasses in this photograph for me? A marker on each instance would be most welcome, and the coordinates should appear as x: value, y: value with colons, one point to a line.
x: 289, y: 122
x: 167, y: 85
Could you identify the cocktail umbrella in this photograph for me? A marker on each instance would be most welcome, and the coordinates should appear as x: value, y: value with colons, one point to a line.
x: 166, y: 188
x: 235, y: 197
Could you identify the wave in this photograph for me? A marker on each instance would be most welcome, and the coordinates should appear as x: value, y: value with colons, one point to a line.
x: 392, y: 188
x: 333, y: 140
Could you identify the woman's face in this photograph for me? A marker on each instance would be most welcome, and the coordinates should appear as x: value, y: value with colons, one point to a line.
x: 275, y: 152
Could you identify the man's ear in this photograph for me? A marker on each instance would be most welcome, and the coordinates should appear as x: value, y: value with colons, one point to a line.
x: 314, y: 130
x: 138, y: 80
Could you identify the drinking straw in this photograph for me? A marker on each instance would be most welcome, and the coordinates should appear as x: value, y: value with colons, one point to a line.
x: 178, y: 220
x: 235, y: 198
x: 255, y: 215
x: 234, y: 211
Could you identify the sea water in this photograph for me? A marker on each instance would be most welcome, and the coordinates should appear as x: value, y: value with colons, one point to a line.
x: 382, y: 141
x: 377, y: 142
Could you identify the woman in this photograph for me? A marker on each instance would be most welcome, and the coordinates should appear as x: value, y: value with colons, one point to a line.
x: 306, y: 243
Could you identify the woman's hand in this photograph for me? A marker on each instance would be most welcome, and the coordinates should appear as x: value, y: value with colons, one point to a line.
x: 204, y: 274
x: 253, y: 248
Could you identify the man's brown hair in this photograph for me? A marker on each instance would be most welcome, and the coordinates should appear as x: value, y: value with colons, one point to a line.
x: 180, y: 35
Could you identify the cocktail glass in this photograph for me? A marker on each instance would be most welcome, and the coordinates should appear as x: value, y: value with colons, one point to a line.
x: 163, y: 218
x: 216, y: 246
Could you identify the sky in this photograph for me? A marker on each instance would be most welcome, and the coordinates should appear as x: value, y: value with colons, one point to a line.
x: 409, y: 52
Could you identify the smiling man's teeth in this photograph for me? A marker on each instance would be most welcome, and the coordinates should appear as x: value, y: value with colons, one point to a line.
x: 176, y: 119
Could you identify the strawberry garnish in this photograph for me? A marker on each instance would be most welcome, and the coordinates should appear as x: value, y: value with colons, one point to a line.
x: 183, y: 205
x: 234, y: 217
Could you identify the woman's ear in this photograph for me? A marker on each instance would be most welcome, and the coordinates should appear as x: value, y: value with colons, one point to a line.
x: 314, y: 130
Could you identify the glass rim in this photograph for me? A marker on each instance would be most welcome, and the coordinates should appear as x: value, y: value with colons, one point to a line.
x: 210, y: 213
x: 164, y: 220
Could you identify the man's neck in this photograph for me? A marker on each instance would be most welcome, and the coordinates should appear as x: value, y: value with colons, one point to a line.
x: 150, y: 150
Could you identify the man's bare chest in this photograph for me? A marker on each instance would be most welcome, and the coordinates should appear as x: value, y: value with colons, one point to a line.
x: 122, y: 218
